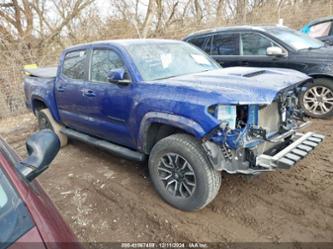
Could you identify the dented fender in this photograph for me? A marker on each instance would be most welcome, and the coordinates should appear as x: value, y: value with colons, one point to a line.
x: 176, y: 121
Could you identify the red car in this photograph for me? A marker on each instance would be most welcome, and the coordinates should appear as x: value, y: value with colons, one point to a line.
x: 28, y: 218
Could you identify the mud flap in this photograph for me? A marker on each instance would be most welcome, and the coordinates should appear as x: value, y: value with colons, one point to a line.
x: 303, y: 144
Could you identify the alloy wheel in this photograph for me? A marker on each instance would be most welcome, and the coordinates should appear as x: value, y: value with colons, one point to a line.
x: 318, y: 100
x: 177, y: 175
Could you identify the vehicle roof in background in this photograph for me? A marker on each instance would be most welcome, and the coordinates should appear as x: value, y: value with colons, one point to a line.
x: 319, y: 20
x: 234, y: 28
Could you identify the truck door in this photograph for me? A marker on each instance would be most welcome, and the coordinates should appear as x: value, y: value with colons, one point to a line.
x: 69, y: 88
x: 108, y: 104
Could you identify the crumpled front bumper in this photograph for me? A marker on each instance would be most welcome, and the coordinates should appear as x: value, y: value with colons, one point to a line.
x: 300, y: 147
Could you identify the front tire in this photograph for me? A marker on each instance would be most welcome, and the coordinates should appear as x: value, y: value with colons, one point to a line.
x: 46, y: 121
x: 181, y: 173
x: 317, y: 99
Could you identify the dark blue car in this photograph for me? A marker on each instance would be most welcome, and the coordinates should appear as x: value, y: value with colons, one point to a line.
x: 276, y: 47
x: 168, y: 101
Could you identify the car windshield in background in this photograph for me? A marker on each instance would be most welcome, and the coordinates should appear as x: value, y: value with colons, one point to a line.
x: 165, y: 60
x: 295, y: 39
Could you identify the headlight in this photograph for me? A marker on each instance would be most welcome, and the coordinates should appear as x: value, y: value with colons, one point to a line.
x: 283, y: 114
x: 227, y: 114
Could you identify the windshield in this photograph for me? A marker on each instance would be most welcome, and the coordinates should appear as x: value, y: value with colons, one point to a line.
x: 295, y: 39
x: 165, y: 60
x: 14, y: 216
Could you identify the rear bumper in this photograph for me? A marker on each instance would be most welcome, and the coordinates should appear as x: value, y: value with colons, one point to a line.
x: 300, y: 147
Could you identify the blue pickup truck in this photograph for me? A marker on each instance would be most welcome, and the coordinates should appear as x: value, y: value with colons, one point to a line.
x: 169, y: 102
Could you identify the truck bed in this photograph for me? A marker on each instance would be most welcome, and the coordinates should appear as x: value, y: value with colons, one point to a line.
x: 42, y: 72
x: 39, y: 86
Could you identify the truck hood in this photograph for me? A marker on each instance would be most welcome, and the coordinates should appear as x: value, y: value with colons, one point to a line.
x: 240, y: 85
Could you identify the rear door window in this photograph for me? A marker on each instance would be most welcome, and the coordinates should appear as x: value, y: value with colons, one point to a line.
x: 75, y: 64
x: 15, y: 219
x: 225, y: 44
x: 254, y: 44
x: 204, y: 43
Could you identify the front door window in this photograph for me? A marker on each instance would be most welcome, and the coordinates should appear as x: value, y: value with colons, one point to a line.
x: 102, y: 61
x: 255, y: 44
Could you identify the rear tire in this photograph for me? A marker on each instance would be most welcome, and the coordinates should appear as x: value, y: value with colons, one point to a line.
x: 46, y: 121
x: 181, y: 173
x: 317, y: 99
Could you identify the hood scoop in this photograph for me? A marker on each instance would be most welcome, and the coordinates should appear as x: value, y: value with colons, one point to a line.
x: 249, y: 73
x: 253, y: 74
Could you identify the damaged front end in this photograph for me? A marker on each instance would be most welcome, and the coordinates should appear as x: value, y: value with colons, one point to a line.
x: 260, y: 137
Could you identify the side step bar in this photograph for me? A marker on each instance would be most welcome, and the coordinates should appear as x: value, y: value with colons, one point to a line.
x: 287, y: 157
x: 113, y: 148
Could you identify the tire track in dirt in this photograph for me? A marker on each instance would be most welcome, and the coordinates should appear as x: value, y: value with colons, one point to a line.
x: 150, y: 207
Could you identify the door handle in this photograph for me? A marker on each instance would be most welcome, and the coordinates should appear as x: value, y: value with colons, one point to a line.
x: 89, y: 93
x: 60, y: 89
x: 245, y: 63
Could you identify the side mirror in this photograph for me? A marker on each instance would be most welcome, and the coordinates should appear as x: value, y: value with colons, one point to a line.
x: 42, y: 148
x: 275, y: 51
x: 117, y: 76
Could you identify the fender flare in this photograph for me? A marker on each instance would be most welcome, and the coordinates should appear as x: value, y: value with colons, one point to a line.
x: 321, y: 75
x: 183, y: 123
x: 47, y: 104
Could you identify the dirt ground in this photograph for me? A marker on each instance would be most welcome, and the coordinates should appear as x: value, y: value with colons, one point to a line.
x: 106, y: 198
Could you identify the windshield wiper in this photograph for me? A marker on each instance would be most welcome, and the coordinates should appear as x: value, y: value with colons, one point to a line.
x: 306, y: 49
x: 168, y: 77
x: 312, y: 48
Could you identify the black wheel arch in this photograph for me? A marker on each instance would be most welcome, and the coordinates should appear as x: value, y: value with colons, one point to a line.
x: 156, y: 125
x: 322, y: 76
x: 157, y: 131
x: 38, y: 104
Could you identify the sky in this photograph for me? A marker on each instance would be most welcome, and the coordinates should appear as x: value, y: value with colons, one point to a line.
x: 103, y: 6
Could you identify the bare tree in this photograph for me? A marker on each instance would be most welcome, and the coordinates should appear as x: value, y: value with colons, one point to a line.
x: 26, y: 25
x: 147, y: 23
